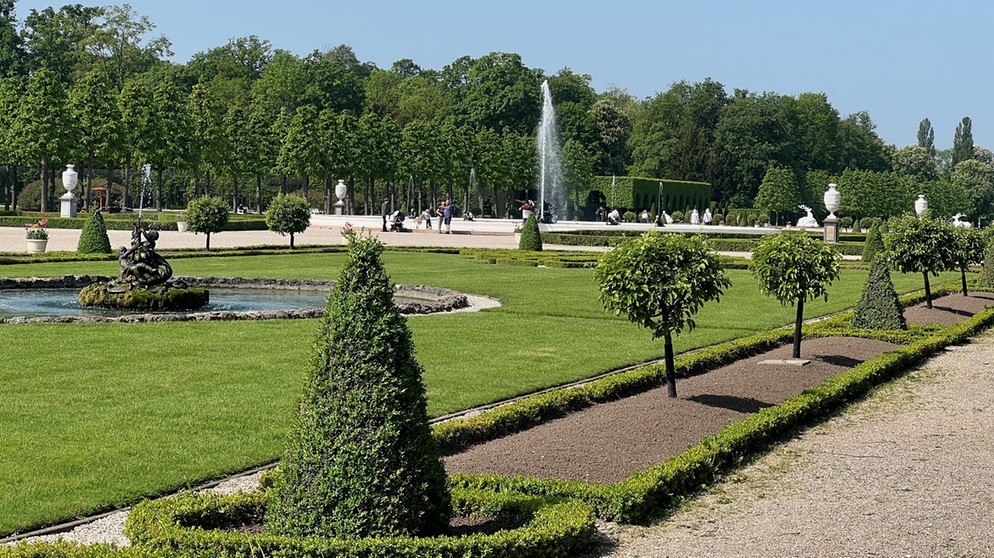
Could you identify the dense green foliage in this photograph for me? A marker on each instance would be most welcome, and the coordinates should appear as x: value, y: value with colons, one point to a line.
x: 288, y: 215
x: 879, y: 307
x: 361, y: 461
x: 874, y: 244
x: 660, y: 282
x: 795, y: 268
x: 93, y: 239
x: 207, y: 215
x: 531, y: 237
x: 921, y: 245
x: 969, y: 252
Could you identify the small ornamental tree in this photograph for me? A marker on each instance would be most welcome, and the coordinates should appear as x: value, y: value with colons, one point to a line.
x: 207, y: 215
x: 361, y: 460
x: 879, y: 306
x: 93, y: 239
x: 531, y: 237
x: 921, y: 245
x: 874, y: 244
x: 794, y: 268
x: 288, y: 215
x: 660, y: 281
x: 969, y: 251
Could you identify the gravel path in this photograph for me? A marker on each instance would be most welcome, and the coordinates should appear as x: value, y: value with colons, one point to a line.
x: 908, y: 473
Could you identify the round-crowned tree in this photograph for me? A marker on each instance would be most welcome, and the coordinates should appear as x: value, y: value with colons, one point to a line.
x: 288, y: 215
x: 93, y: 239
x: 361, y: 460
x: 207, y: 215
x: 531, y: 237
x: 969, y: 251
x: 921, y: 245
x: 879, y: 306
x: 794, y: 268
x: 660, y: 281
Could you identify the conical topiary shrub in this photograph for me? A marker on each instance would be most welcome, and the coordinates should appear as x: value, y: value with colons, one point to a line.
x: 874, y: 244
x: 93, y: 239
x: 531, y: 238
x: 879, y: 306
x: 361, y: 460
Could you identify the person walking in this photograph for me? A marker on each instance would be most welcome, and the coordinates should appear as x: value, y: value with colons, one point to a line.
x: 440, y: 213
x: 385, y: 212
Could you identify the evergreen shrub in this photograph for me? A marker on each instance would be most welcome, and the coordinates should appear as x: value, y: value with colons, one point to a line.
x: 874, y: 244
x: 93, y: 239
x: 361, y: 460
x: 531, y: 237
x: 879, y: 306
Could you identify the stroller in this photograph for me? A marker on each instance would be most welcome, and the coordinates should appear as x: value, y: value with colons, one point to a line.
x: 397, y: 222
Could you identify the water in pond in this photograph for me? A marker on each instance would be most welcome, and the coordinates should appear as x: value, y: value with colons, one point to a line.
x: 62, y: 302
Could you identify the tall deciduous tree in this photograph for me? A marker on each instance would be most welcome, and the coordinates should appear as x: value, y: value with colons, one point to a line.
x: 916, y: 162
x: 795, y: 268
x: 11, y: 93
x: 963, y: 141
x: 778, y: 192
x: 977, y: 179
x: 93, y: 104
x: 926, y: 137
x: 502, y: 93
x: 660, y: 282
x: 43, y: 126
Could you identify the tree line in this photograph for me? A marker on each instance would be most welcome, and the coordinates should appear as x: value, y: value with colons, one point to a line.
x: 245, y: 121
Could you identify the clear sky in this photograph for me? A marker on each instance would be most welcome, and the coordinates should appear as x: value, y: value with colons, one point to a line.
x: 899, y: 60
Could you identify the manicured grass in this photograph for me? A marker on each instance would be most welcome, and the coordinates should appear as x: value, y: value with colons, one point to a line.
x: 99, y: 415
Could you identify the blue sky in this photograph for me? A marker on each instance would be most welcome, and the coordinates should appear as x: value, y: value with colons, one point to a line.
x: 901, y: 61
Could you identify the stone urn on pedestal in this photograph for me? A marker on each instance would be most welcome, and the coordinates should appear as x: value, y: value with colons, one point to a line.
x: 831, y: 224
x: 341, y: 190
x: 69, y: 180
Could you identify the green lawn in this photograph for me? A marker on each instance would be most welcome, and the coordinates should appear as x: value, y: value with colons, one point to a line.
x: 99, y: 415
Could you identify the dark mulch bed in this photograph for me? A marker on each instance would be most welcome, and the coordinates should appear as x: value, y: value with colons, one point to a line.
x: 610, y: 441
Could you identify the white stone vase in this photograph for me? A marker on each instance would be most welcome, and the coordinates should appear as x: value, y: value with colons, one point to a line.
x: 832, y: 199
x: 921, y: 205
x: 182, y: 226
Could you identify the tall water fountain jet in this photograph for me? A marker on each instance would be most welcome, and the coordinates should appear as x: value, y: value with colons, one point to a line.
x: 552, y: 194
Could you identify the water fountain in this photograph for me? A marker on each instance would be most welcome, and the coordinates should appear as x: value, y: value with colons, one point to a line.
x: 552, y: 194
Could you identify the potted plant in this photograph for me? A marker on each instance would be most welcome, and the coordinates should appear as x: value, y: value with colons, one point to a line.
x: 181, y: 224
x: 36, y: 236
x: 518, y: 227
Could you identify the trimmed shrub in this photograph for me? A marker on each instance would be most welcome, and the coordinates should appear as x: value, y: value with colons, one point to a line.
x: 630, y: 217
x: 879, y: 306
x: 93, y: 239
x: 845, y: 222
x: 288, y: 215
x: 531, y: 237
x: 677, y: 216
x: 361, y: 461
x: 874, y: 244
x: 207, y: 215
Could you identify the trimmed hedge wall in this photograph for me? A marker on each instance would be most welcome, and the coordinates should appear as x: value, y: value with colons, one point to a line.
x: 638, y: 193
x: 115, y: 222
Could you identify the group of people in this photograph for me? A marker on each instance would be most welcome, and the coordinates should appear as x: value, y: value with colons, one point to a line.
x: 444, y: 214
x: 614, y: 217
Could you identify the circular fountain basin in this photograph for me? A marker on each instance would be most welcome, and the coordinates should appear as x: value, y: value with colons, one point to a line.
x: 55, y: 300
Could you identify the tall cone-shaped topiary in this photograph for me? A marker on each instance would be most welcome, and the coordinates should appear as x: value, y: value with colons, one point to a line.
x: 531, y: 238
x: 874, y: 244
x: 361, y: 460
x: 93, y: 239
x: 879, y: 306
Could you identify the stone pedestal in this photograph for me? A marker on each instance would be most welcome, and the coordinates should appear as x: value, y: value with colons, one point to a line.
x: 68, y: 205
x: 831, y: 228
x: 339, y: 207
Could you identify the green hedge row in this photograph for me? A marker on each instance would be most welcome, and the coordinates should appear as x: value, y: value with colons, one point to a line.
x: 646, y: 492
x: 722, y: 243
x: 113, y: 222
x: 533, y: 259
x: 192, y: 525
x: 637, y: 193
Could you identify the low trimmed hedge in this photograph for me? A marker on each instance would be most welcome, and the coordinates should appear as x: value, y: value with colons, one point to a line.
x: 205, y: 524
x: 125, y: 221
x: 643, y: 494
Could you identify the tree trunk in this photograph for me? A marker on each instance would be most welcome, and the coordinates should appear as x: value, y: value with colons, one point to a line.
x: 208, y: 242
x: 258, y: 194
x: 234, y: 195
x: 291, y: 241
x: 127, y: 182
x: 110, y: 181
x: 798, y: 322
x: 88, y: 195
x: 158, y: 190
x: 44, y: 183
x: 670, y: 367
x: 963, y: 277
x: 329, y: 192
x: 928, y: 291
